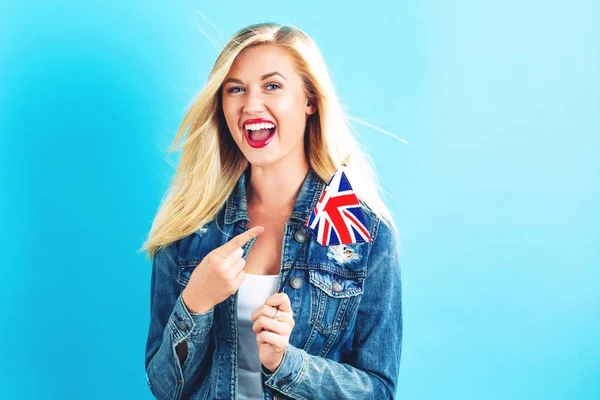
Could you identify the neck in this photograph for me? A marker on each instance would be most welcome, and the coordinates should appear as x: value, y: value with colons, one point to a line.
x: 275, y: 187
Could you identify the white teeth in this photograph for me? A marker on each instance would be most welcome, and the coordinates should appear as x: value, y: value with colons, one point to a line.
x: 256, y: 127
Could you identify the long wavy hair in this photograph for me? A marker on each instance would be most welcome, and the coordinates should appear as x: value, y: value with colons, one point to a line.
x: 211, y: 163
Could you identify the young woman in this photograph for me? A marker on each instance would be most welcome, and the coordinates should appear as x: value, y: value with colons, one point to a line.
x: 245, y: 302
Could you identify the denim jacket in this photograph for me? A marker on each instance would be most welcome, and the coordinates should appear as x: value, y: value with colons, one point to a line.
x: 346, y: 303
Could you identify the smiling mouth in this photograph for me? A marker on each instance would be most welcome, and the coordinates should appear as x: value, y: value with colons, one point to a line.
x: 259, y: 138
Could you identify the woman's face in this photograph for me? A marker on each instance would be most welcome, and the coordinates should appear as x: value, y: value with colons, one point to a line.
x: 265, y: 106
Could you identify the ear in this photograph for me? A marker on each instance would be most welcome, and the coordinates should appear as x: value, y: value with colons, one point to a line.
x: 310, y: 109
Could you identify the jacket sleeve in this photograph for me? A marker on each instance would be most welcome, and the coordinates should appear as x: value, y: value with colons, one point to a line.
x: 170, y: 324
x: 371, y: 371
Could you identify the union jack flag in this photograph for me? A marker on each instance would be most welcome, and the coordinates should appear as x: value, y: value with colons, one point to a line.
x: 337, y: 217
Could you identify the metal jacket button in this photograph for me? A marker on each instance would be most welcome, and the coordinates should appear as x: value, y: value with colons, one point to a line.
x: 296, y: 283
x: 182, y: 325
x: 300, y: 236
x: 337, y: 287
x: 281, y: 382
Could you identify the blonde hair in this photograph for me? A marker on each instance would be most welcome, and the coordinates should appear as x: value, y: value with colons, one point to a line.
x: 211, y: 163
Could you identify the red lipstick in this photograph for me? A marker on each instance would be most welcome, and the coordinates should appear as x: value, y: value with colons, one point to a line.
x: 257, y: 144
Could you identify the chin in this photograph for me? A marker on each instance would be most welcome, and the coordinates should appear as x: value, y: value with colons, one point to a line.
x: 261, y: 161
x: 262, y: 157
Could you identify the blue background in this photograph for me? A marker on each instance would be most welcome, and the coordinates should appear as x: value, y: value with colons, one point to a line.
x: 496, y: 198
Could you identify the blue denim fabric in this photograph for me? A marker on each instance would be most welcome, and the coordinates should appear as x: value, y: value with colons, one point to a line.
x: 347, y: 340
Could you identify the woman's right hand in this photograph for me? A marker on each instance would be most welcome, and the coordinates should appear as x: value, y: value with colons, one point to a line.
x: 219, y: 274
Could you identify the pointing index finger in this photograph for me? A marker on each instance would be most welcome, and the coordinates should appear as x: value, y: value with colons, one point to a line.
x: 240, y: 240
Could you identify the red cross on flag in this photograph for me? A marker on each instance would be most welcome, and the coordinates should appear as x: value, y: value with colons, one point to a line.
x: 337, y: 217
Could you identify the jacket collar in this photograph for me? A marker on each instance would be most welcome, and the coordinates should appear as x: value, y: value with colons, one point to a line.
x: 236, y: 208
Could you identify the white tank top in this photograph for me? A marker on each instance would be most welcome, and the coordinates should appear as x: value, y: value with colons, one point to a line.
x: 253, y: 292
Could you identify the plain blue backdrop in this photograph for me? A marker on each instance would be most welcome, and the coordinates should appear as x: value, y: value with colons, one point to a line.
x: 496, y: 198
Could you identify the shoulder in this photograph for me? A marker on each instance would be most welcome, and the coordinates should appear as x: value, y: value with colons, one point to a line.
x: 385, y: 244
x: 378, y: 226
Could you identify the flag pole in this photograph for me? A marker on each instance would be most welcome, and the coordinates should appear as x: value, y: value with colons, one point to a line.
x: 345, y: 162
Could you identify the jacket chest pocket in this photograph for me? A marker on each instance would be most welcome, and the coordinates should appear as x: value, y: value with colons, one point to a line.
x: 334, y: 299
x: 185, y: 271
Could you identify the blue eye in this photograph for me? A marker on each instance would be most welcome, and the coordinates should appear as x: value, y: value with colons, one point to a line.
x: 270, y: 87
x: 233, y: 89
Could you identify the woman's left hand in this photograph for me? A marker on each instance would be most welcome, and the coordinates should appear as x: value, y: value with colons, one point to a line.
x: 273, y: 336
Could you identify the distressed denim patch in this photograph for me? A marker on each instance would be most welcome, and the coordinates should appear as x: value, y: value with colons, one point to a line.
x: 342, y: 254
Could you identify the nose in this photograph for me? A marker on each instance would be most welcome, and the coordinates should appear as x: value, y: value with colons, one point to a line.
x: 253, y: 103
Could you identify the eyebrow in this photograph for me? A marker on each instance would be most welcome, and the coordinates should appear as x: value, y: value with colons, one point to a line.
x: 265, y: 76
